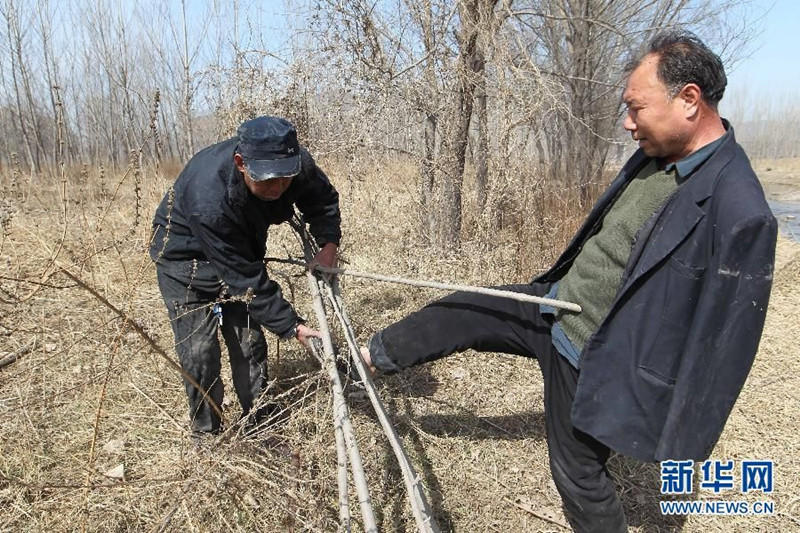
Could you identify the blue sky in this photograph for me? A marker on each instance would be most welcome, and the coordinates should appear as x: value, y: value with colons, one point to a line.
x: 772, y: 70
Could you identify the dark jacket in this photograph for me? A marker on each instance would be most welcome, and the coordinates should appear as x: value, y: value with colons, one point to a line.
x: 212, y: 216
x: 661, y: 374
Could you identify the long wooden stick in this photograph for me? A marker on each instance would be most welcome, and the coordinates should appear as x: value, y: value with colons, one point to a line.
x: 518, y: 296
x: 341, y: 448
x: 540, y: 516
x: 341, y: 479
x: 341, y: 413
x: 416, y: 493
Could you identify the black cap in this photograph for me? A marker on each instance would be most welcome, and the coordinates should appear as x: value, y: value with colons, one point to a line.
x: 269, y: 148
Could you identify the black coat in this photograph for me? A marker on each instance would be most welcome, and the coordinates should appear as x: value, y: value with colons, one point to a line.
x: 212, y: 216
x: 661, y: 374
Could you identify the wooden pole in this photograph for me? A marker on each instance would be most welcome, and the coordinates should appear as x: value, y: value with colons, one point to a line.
x: 341, y: 413
x: 341, y: 450
x: 7, y: 360
x: 419, y: 504
x: 416, y: 493
x: 518, y: 296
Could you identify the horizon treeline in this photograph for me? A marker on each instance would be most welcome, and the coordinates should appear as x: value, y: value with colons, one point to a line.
x: 502, y: 92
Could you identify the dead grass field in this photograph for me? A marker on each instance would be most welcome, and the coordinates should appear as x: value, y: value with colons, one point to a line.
x: 92, y: 395
x: 780, y: 177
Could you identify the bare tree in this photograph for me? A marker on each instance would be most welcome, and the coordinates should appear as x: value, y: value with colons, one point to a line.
x: 427, y: 53
x: 15, y: 45
x: 541, y: 78
x: 582, y: 46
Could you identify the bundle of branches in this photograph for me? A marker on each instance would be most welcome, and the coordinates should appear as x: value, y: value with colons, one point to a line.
x: 345, y: 440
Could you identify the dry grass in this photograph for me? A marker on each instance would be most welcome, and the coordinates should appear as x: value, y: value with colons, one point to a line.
x: 780, y: 177
x: 472, y: 423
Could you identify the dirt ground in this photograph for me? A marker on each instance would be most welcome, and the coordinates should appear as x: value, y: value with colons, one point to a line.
x: 93, y: 424
x: 780, y: 177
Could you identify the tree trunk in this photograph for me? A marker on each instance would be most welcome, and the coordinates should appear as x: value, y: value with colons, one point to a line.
x: 12, y: 23
x: 427, y: 175
x: 482, y: 152
x: 454, y: 147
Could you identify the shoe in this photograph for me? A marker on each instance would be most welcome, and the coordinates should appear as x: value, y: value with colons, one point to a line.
x: 269, y: 414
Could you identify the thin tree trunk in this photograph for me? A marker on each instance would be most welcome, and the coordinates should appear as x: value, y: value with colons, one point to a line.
x: 431, y: 127
x: 50, y: 73
x: 451, y: 168
x: 474, y: 16
x: 482, y: 152
x: 428, y: 174
x: 187, y: 85
x: 11, y: 23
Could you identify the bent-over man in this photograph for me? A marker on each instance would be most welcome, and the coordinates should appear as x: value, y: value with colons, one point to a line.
x: 673, y: 269
x: 209, y: 242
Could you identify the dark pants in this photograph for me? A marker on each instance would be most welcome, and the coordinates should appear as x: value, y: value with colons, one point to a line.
x: 189, y: 289
x: 486, y: 323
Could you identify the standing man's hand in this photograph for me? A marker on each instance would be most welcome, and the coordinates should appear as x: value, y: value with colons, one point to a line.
x: 304, y: 333
x: 326, y: 257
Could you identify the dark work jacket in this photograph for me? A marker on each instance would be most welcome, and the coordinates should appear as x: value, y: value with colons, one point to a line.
x: 212, y: 216
x: 659, y: 377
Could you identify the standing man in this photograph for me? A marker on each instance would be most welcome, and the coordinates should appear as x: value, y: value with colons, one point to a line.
x: 209, y: 242
x: 673, y: 269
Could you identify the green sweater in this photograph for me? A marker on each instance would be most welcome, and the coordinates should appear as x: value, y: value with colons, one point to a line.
x: 595, y: 275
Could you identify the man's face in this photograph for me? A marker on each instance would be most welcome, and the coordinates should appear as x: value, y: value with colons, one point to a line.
x: 268, y: 190
x: 658, y: 122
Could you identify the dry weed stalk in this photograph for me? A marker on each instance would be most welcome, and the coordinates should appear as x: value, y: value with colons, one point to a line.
x: 101, y: 182
x: 157, y: 146
x: 136, y: 165
x: 129, y: 322
x: 90, y: 460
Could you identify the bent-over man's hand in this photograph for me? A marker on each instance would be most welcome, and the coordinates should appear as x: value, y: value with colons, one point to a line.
x: 326, y: 257
x: 304, y: 333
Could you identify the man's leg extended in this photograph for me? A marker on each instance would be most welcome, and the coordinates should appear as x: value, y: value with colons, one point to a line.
x: 248, y: 353
x: 461, y: 321
x: 577, y: 461
x: 195, y: 329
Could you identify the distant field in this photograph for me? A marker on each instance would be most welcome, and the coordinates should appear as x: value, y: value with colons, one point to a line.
x: 781, y: 178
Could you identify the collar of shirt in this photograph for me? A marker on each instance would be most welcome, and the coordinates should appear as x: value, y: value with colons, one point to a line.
x: 689, y: 164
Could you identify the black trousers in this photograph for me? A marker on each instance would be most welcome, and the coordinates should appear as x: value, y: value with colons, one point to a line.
x: 189, y: 289
x: 491, y: 324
